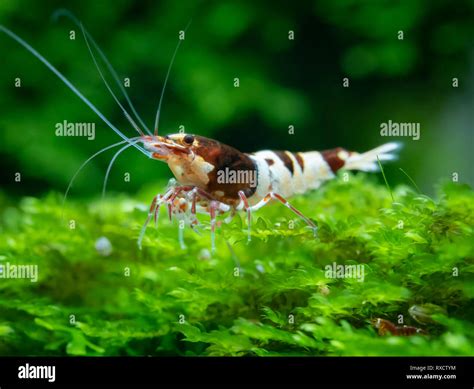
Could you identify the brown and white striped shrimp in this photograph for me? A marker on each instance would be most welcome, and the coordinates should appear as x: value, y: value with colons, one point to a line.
x: 211, y: 177
x: 198, y: 163
x: 385, y: 327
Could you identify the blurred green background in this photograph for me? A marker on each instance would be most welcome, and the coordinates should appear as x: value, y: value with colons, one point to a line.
x: 282, y: 82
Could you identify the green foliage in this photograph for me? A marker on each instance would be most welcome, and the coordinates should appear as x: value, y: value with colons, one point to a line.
x: 268, y: 297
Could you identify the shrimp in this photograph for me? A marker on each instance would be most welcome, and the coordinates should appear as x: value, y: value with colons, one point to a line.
x: 210, y: 177
x: 385, y: 327
x: 218, y: 177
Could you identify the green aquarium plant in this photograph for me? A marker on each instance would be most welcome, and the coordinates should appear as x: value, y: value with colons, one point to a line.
x: 88, y: 289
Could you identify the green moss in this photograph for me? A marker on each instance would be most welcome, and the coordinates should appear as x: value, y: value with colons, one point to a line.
x: 269, y: 297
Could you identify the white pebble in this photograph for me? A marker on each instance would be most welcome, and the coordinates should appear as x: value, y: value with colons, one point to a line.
x: 103, y: 246
x: 204, y: 255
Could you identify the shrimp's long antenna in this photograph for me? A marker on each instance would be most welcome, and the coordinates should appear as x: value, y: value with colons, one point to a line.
x: 127, y: 115
x: 157, y: 117
x: 29, y: 48
x: 104, y: 187
x: 86, y: 162
x: 70, y: 15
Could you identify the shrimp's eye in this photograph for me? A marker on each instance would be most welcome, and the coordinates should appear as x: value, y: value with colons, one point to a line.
x: 189, y: 139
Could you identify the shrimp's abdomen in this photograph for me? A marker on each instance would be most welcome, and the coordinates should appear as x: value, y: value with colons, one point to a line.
x: 291, y: 173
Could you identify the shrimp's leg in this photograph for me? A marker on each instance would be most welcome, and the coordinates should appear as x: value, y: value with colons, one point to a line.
x: 168, y: 197
x: 176, y: 191
x: 153, y: 212
x: 281, y: 199
x: 195, y: 193
x: 157, y: 210
x: 194, y: 223
x: 249, y: 213
x: 150, y: 214
x: 229, y: 218
x: 213, y: 206
x: 181, y: 216
x: 181, y: 237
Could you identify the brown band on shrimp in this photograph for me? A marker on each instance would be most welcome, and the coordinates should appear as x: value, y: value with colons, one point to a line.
x: 287, y: 161
x: 222, y: 158
x: 335, y: 158
x: 300, y: 160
